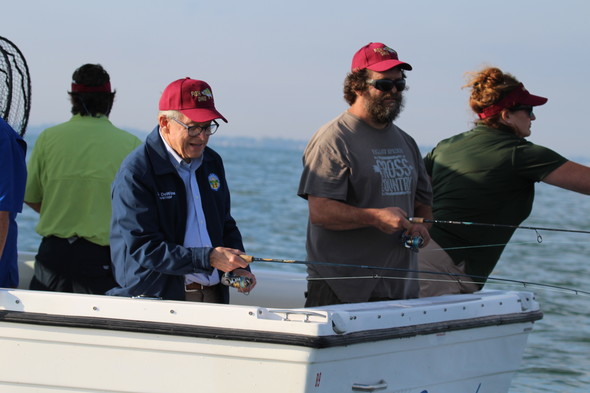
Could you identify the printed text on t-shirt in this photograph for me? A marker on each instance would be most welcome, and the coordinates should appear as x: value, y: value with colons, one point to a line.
x: 395, y: 169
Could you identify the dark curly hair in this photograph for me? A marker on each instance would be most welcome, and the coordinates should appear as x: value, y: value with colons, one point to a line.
x: 355, y: 81
x: 91, y: 104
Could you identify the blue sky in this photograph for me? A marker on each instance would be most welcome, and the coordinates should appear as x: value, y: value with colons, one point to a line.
x: 276, y: 67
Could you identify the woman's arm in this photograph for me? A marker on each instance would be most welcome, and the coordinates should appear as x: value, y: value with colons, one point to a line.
x: 571, y: 176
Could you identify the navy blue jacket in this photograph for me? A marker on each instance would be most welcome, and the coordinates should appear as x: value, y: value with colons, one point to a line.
x: 149, y: 220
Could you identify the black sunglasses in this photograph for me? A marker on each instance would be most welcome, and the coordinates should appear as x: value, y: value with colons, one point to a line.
x: 526, y: 108
x: 388, y: 84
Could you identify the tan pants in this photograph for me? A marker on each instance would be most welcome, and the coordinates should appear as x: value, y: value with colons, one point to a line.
x: 433, y: 258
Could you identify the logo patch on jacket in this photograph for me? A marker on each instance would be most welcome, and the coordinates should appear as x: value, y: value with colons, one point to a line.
x: 214, y: 181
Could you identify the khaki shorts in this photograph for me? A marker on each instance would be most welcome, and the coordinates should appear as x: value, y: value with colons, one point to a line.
x: 433, y: 258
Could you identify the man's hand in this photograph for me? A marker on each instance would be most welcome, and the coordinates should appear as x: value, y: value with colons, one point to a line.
x: 419, y: 230
x: 227, y: 259
x: 252, y: 277
x: 389, y: 219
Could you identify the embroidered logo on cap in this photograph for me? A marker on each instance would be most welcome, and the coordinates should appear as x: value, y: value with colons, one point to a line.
x: 386, y: 52
x: 203, y: 95
x: 214, y: 182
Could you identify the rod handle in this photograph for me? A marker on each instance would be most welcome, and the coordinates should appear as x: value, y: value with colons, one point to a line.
x: 417, y: 220
x: 247, y: 258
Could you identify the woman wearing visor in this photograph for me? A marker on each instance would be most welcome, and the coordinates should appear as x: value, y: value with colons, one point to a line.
x: 487, y: 175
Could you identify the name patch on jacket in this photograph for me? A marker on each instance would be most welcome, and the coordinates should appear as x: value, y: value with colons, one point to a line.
x: 166, y: 195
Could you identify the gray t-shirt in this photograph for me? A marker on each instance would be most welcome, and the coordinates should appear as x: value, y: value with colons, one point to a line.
x: 349, y: 161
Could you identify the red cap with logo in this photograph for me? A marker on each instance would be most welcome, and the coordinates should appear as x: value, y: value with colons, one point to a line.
x: 376, y: 56
x: 193, y: 98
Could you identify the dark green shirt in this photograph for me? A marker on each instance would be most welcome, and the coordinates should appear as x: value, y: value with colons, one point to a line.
x: 484, y: 175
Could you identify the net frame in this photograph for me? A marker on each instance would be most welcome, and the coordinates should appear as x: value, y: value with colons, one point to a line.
x: 15, y: 86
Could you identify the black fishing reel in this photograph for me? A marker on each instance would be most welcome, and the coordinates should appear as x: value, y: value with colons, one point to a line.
x: 235, y: 281
x: 414, y: 243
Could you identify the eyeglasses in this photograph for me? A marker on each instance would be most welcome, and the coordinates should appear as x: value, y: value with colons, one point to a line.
x: 197, y: 130
x: 526, y: 108
x: 388, y: 84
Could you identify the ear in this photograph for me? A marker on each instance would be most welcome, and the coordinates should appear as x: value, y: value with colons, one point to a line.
x: 163, y: 122
x: 359, y: 93
x: 506, y: 117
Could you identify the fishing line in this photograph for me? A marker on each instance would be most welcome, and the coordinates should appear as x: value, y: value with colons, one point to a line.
x: 457, y: 276
x: 420, y: 220
x: 512, y: 243
x: 478, y: 246
x: 546, y: 287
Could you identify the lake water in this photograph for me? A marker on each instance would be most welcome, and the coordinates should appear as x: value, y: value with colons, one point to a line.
x: 273, y: 222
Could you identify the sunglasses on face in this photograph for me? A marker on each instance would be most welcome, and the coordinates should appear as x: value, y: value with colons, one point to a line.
x: 388, y: 84
x: 527, y: 108
x: 197, y: 130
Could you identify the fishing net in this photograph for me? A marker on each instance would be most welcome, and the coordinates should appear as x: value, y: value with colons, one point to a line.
x: 15, y: 86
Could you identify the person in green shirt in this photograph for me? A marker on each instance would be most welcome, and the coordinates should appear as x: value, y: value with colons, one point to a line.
x: 71, y: 170
x: 487, y: 175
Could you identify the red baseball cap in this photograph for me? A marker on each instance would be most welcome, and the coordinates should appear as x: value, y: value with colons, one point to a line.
x: 377, y: 57
x: 193, y: 98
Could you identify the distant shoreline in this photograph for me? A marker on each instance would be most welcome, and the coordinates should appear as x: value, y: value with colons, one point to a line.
x: 251, y: 142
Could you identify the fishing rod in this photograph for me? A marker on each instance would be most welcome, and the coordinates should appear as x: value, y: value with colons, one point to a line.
x: 420, y: 220
x: 250, y: 259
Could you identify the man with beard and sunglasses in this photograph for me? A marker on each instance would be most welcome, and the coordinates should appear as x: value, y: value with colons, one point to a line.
x: 362, y: 177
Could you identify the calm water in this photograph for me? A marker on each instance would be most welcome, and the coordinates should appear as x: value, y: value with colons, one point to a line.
x: 273, y: 222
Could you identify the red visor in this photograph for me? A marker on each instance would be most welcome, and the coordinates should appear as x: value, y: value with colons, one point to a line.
x: 77, y: 88
x: 518, y: 96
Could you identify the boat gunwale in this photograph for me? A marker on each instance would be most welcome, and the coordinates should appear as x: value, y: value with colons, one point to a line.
x: 291, y: 339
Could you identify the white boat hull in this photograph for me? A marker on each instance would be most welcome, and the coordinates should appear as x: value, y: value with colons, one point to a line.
x: 82, y: 343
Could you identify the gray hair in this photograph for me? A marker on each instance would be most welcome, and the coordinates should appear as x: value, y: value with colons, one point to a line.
x: 170, y: 114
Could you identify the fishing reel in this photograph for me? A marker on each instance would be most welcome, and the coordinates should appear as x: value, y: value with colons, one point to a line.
x: 414, y: 243
x: 235, y: 281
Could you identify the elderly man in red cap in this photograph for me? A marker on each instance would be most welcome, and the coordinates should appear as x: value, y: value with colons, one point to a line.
x: 362, y: 177
x: 172, y: 233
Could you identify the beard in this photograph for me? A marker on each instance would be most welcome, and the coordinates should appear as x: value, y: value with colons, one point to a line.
x: 384, y: 113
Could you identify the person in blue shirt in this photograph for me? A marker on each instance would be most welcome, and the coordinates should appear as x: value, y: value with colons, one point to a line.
x: 172, y: 232
x: 12, y: 191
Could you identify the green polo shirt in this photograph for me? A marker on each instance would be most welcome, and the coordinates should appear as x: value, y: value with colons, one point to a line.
x: 488, y: 176
x: 71, y: 170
